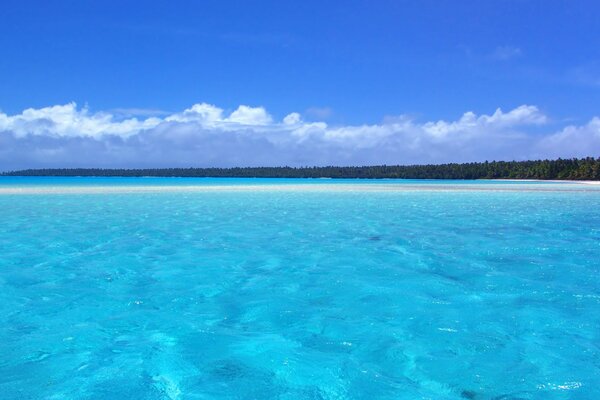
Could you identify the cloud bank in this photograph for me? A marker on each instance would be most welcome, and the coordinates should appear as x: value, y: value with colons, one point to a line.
x: 206, y: 135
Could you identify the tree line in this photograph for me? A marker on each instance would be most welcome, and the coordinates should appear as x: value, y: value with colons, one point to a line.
x: 561, y: 169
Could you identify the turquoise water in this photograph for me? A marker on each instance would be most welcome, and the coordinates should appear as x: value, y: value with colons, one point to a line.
x: 40, y: 181
x: 407, y: 290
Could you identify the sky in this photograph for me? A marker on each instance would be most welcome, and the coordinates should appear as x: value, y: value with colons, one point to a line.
x: 268, y: 83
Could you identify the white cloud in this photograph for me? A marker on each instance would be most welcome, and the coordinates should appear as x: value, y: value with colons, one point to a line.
x: 202, y: 113
x: 573, y: 141
x: 292, y: 119
x: 472, y: 125
x: 67, y: 120
x: 250, y: 116
x: 205, y: 135
x: 519, y: 116
x: 210, y: 115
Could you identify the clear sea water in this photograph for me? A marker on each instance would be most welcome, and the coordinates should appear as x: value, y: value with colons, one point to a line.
x: 313, y: 289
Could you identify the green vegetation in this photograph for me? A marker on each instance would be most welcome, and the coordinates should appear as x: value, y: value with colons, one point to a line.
x: 568, y: 169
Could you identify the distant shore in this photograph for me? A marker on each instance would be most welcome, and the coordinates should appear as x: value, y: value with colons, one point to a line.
x: 582, y: 169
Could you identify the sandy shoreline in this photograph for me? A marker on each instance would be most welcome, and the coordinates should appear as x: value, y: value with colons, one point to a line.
x: 549, y: 181
x: 305, y: 187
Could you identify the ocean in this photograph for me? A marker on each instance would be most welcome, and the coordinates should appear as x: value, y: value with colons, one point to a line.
x: 171, y: 288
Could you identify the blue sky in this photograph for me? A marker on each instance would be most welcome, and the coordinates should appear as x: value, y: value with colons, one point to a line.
x: 345, y: 64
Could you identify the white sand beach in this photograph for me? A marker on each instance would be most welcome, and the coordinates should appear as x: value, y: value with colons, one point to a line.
x: 440, y: 186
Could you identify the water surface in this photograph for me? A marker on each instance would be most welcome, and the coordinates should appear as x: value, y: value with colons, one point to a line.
x: 120, y: 288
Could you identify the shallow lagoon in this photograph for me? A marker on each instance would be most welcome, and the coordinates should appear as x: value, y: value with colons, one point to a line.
x: 298, y: 289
